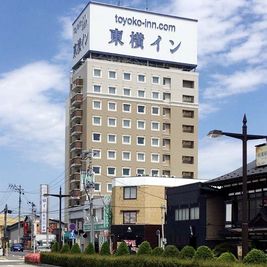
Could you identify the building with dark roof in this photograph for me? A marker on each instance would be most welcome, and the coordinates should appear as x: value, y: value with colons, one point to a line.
x: 219, y: 203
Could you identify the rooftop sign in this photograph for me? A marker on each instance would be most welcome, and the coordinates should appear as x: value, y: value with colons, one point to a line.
x: 121, y: 31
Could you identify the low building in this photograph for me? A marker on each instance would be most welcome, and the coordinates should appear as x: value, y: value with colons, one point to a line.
x: 138, y: 208
x: 211, y: 213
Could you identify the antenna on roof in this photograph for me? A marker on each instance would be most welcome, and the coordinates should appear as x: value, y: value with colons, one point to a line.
x: 119, y: 2
x: 146, y: 5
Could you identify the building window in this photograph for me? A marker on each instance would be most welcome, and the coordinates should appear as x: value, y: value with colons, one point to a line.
x: 112, y: 74
x: 97, y: 88
x: 126, y: 171
x: 109, y: 187
x: 155, y: 95
x: 126, y: 155
x: 96, y: 104
x: 126, y: 123
x: 97, y: 187
x: 188, y: 128
x: 155, y: 141
x: 154, y: 157
x: 228, y: 213
x: 141, y: 93
x: 126, y: 92
x: 140, y: 172
x: 140, y: 156
x: 188, y: 113
x: 126, y: 139
x: 112, y: 138
x: 129, y: 217
x: 155, y: 126
x: 112, y: 106
x: 167, y: 96
x: 188, y: 175
x: 155, y: 110
x: 126, y: 107
x: 155, y: 79
x: 112, y: 122
x: 188, y: 84
x: 141, y: 78
x: 154, y: 173
x: 112, y: 90
x: 188, y: 98
x: 129, y: 192
x: 96, y: 137
x: 97, y: 170
x: 111, y: 171
x: 140, y: 140
x: 194, y: 213
x: 97, y: 73
x: 141, y: 125
x: 96, y: 153
x: 167, y: 81
x: 188, y: 144
x: 126, y: 76
x: 96, y: 120
x: 111, y: 154
x: 188, y: 160
x: 141, y: 109
x: 182, y: 214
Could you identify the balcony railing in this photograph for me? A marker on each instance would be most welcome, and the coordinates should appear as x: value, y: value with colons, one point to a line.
x: 76, y: 145
x: 76, y: 100
x: 76, y: 129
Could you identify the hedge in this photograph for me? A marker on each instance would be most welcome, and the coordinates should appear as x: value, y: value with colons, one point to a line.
x: 81, y: 260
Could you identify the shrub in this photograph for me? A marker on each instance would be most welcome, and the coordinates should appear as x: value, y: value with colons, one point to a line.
x: 144, y: 249
x: 255, y: 256
x: 227, y: 257
x: 75, y: 249
x: 171, y: 251
x: 122, y: 249
x: 105, y: 249
x: 223, y: 247
x: 90, y: 249
x: 55, y: 247
x: 65, y: 248
x: 157, y: 251
x: 187, y: 252
x: 203, y: 253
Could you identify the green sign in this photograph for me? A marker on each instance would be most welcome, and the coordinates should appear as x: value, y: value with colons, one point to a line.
x: 97, y: 227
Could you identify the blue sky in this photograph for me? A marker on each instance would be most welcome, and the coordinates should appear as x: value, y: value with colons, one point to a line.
x: 35, y: 62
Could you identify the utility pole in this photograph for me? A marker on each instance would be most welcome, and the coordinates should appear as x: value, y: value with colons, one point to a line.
x: 18, y: 189
x: 162, y: 225
x: 89, y: 185
x: 32, y: 225
x: 60, y: 196
x: 6, y: 211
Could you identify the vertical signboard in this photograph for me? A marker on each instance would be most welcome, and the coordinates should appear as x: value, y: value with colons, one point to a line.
x: 43, y: 208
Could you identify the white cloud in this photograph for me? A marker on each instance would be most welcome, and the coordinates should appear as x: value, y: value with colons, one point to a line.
x: 30, y: 115
x: 220, y: 156
x: 240, y: 82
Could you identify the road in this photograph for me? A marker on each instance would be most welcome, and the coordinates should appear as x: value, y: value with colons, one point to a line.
x: 13, y: 259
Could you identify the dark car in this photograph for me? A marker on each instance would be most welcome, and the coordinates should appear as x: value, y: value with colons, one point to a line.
x: 17, y: 247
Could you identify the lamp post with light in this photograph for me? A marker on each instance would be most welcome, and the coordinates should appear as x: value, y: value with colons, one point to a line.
x: 244, y: 137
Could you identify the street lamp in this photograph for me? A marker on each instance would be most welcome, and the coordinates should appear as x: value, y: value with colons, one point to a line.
x: 60, y: 196
x: 244, y: 137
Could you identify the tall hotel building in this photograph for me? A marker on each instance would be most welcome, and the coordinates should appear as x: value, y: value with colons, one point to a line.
x: 133, y: 97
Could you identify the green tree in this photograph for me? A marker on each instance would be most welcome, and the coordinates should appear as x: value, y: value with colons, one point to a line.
x: 105, y: 249
x: 65, y: 248
x: 122, y: 249
x: 144, y: 249
x: 171, y: 251
x: 90, y: 249
x: 75, y: 249
x: 55, y: 247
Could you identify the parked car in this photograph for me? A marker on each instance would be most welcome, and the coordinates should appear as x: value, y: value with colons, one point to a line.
x: 17, y: 247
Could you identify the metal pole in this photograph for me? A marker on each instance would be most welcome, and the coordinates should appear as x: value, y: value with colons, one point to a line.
x: 19, y: 213
x: 245, y: 193
x: 162, y: 226
x: 5, y: 232
x: 60, y: 230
